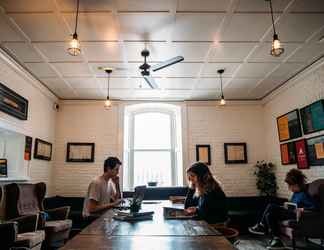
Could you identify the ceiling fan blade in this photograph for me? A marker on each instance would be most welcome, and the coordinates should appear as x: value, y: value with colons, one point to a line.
x: 167, y: 63
x: 151, y: 82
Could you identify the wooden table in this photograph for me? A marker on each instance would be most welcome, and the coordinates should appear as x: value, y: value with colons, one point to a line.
x: 156, y: 234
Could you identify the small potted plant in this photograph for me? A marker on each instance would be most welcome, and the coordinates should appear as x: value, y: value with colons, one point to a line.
x: 266, y: 179
x: 135, y: 205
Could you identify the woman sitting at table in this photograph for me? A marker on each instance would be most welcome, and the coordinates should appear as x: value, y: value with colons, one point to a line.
x: 205, y: 199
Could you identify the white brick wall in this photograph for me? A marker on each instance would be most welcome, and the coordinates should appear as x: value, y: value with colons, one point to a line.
x: 296, y: 94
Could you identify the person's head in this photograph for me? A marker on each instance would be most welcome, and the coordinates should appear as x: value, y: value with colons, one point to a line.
x: 111, y: 167
x: 295, y: 180
x: 201, y: 178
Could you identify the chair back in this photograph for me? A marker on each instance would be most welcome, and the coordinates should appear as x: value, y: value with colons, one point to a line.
x: 316, y: 190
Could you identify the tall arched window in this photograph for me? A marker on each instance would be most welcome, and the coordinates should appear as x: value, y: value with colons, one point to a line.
x: 152, y: 145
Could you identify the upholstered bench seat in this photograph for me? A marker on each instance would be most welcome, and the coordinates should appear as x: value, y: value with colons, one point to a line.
x: 33, y: 240
x: 58, y: 225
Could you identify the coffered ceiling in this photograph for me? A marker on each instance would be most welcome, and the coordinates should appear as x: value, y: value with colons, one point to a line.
x: 209, y: 34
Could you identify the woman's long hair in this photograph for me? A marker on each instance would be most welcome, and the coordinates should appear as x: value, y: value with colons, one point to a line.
x: 206, y: 180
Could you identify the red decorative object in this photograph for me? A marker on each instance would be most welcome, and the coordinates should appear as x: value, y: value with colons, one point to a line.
x: 301, y: 153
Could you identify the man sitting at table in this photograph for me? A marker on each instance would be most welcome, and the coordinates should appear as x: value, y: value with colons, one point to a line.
x: 104, y: 191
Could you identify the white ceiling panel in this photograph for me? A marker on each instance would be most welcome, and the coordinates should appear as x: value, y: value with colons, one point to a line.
x: 264, y: 88
x: 211, y: 83
x: 237, y: 93
x: 308, y: 6
x: 103, y: 51
x: 246, y: 27
x: 180, y: 70
x: 144, y: 5
x: 120, y: 94
x: 230, y: 52
x: 93, y: 26
x: 23, y: 6
x: 205, y: 94
x: 122, y: 83
x: 307, y: 53
x: 177, y: 83
x: 145, y: 26
x: 41, y: 70
x: 57, y: 52
x: 188, y: 26
x: 89, y: 93
x: 192, y: 52
x: 210, y: 70
x: 54, y: 83
x: 255, y: 70
x: 84, y: 82
x: 262, y: 53
x: 7, y: 33
x: 147, y: 93
x: 86, y: 5
x: 65, y: 93
x: 206, y: 5
x: 116, y: 73
x: 172, y: 94
x: 24, y: 52
x: 286, y: 70
x: 242, y: 83
x: 41, y: 26
x: 261, y: 6
x: 72, y: 69
x: 297, y: 27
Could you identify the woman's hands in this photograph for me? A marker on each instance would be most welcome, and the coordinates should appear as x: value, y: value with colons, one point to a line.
x: 190, y: 210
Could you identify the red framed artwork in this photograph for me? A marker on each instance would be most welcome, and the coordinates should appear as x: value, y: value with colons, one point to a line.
x: 301, y: 154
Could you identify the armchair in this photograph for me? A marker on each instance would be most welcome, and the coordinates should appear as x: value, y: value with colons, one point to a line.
x: 310, y: 223
x: 27, y: 199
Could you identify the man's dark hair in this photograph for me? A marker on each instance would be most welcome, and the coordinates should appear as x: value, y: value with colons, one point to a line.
x: 295, y: 176
x: 111, y: 163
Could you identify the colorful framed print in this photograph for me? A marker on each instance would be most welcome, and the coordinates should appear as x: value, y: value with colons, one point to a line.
x: 301, y: 154
x: 312, y: 117
x: 43, y: 150
x: 289, y: 126
x: 315, y: 149
x: 235, y: 153
x: 203, y: 154
x: 80, y: 152
x: 288, y: 153
x: 3, y: 168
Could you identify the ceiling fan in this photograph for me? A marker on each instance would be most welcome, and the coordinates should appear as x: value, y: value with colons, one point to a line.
x: 145, y: 67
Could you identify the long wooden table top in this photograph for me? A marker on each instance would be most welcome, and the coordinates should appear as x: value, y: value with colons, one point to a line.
x: 157, y: 234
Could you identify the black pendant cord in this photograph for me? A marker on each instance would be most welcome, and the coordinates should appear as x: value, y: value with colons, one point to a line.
x: 221, y: 85
x: 76, y: 18
x: 108, y: 86
x: 274, y: 29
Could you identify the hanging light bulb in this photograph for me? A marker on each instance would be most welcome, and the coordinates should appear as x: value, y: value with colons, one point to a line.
x: 74, y: 48
x: 107, y: 103
x: 276, y: 48
x: 222, y: 101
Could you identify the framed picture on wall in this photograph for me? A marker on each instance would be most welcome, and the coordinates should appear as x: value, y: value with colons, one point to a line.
x: 43, y: 150
x: 80, y: 152
x: 12, y: 103
x: 3, y: 168
x: 203, y: 154
x: 288, y: 153
x: 235, y: 153
x: 312, y: 117
x: 289, y: 126
x: 315, y: 150
x: 301, y: 154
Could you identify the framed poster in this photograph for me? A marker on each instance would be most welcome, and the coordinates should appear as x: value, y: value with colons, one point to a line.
x: 288, y: 153
x: 43, y: 150
x: 28, y: 148
x: 80, y: 152
x: 312, y: 117
x: 315, y: 149
x: 3, y: 168
x: 203, y: 154
x: 235, y: 153
x: 301, y: 154
x: 289, y: 126
x: 12, y: 103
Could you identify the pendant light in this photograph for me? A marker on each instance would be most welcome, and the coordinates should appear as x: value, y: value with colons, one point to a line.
x: 107, y: 104
x: 74, y: 49
x: 276, y: 48
x: 222, y: 101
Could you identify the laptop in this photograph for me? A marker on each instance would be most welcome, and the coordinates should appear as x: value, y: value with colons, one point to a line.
x: 138, y: 195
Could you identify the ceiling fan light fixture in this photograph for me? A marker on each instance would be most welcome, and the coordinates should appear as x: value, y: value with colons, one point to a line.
x: 74, y: 49
x: 276, y: 49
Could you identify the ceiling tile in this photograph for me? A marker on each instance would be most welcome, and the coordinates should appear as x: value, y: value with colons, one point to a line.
x: 54, y: 83
x: 144, y: 5
x: 264, y: 88
x: 94, y: 26
x: 122, y: 83
x: 89, y: 93
x: 147, y: 93
x: 65, y: 93
x: 41, y: 26
x: 211, y: 83
x: 237, y: 93
x: 192, y: 52
x: 7, y: 33
x: 188, y: 26
x: 255, y: 70
x: 86, y: 5
x: 84, y: 82
x: 24, y: 52
x: 178, y: 83
x: 57, y: 52
x: 121, y: 94
x: 41, y: 70
x: 103, y: 51
x: 308, y: 53
x: 286, y: 70
x: 203, y: 94
x: 206, y: 5
x: 210, y: 70
x: 261, y: 6
x: 262, y: 53
x: 230, y: 52
x: 246, y: 27
x: 172, y: 94
x: 23, y: 6
x: 72, y: 69
x: 180, y: 70
x: 308, y: 6
x: 242, y: 83
x: 128, y: 69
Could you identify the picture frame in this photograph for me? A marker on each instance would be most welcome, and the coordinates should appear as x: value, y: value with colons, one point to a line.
x: 3, y: 168
x: 203, y: 154
x: 42, y: 150
x: 288, y: 153
x: 301, y: 154
x: 312, y: 117
x: 315, y: 150
x: 12, y: 103
x: 80, y: 152
x: 289, y: 126
x: 235, y: 153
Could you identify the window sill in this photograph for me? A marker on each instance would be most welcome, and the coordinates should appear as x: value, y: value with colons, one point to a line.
x: 14, y: 179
